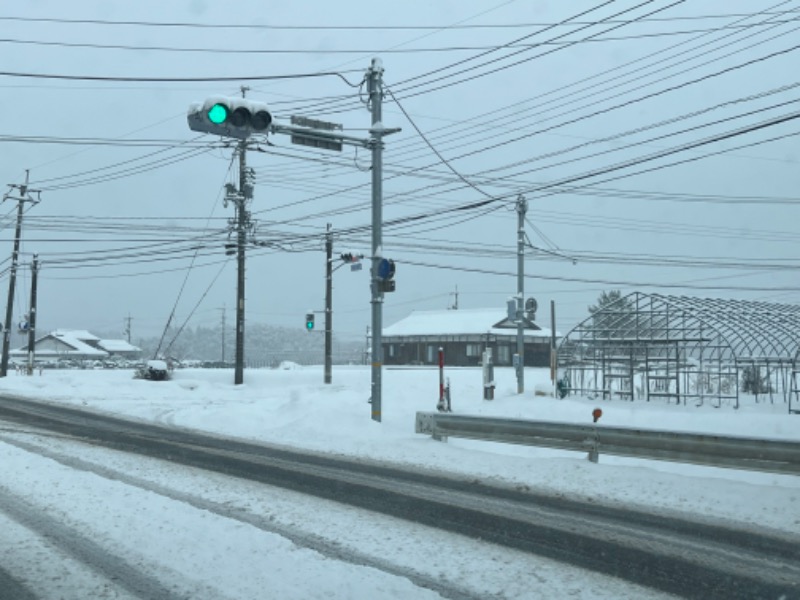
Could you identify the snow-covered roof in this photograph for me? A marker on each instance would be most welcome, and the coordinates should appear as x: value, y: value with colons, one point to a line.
x: 77, y: 334
x: 118, y: 346
x: 476, y: 321
x: 68, y: 345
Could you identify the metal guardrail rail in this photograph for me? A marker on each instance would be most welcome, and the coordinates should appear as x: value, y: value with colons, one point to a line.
x: 754, y: 454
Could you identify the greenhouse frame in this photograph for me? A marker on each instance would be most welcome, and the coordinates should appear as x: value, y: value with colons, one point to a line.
x: 685, y: 349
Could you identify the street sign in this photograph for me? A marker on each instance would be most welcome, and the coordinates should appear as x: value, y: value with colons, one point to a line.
x: 316, y: 141
x: 316, y: 124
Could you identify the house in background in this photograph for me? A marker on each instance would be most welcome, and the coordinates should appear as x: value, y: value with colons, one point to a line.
x: 463, y: 335
x: 76, y: 345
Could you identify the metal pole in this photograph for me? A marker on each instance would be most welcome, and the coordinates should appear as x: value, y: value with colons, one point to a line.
x: 522, y: 207
x: 32, y: 315
x: 328, y: 302
x: 375, y: 90
x: 245, y: 193
x: 441, y: 376
x: 553, y: 357
x: 223, y: 335
x: 241, y: 221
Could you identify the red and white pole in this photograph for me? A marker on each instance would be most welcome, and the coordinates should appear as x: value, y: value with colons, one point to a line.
x: 441, y: 376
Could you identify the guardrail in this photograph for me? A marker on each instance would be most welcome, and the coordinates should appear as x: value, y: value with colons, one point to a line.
x: 754, y: 454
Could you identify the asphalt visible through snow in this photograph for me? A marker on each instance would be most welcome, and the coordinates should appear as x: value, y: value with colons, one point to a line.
x: 686, y: 558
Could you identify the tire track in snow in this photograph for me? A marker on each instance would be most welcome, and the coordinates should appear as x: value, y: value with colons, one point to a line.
x: 13, y: 589
x: 309, y: 541
x: 73, y: 543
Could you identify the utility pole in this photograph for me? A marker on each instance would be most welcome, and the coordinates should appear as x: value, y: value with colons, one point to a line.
x: 375, y: 94
x: 24, y: 196
x: 522, y: 208
x: 128, y: 320
x: 455, y: 303
x: 328, y: 302
x: 32, y: 315
x: 223, y: 334
x: 242, y: 224
x: 553, y: 357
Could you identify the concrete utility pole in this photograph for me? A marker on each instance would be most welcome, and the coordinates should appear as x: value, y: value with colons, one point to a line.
x: 242, y: 224
x: 328, y: 303
x: 522, y: 208
x: 128, y: 320
x: 223, y: 333
x: 375, y: 94
x: 32, y: 314
x: 24, y: 196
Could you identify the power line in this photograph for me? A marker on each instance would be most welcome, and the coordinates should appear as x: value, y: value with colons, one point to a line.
x: 362, y: 51
x: 180, y: 79
x: 515, y: 119
x: 374, y: 27
x: 606, y: 282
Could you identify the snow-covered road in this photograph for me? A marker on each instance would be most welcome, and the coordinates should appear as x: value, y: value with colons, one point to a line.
x: 67, y: 508
x: 88, y: 522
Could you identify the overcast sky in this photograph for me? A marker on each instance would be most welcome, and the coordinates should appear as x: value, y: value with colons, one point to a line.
x: 513, y: 96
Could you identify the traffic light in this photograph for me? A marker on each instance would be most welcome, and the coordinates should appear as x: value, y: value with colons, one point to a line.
x: 229, y: 117
x: 309, y: 321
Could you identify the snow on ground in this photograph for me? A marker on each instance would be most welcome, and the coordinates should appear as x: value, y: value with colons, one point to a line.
x: 199, y: 524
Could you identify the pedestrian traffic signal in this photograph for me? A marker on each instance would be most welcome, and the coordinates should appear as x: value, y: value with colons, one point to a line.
x: 229, y: 117
x: 385, y: 275
x: 309, y: 321
x: 386, y: 269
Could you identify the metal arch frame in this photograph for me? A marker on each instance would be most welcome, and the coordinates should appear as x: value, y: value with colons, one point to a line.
x: 664, y: 348
x: 756, y: 315
x: 727, y: 333
x: 775, y: 351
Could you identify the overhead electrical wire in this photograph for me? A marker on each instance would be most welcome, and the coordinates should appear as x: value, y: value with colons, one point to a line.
x: 682, y: 85
x: 370, y: 27
x: 604, y: 282
x: 626, y: 103
x: 465, y: 129
x: 363, y: 51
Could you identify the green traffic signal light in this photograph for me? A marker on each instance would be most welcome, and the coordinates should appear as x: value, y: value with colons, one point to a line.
x: 218, y: 114
x: 309, y: 321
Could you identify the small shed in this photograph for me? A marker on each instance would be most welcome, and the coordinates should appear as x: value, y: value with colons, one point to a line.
x: 463, y: 334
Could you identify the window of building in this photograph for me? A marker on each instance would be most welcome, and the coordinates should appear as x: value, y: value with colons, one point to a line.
x: 473, y: 350
x: 504, y: 355
x: 431, y: 354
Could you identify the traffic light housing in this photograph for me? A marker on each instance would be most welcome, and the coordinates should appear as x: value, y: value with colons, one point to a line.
x: 309, y: 321
x: 229, y: 117
x: 385, y: 275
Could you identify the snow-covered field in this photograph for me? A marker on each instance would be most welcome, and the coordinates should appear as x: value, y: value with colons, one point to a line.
x: 217, y: 537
